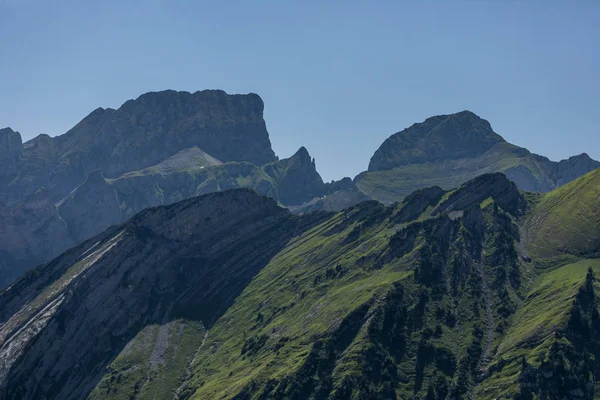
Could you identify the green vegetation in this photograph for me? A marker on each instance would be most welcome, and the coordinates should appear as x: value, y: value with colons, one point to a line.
x: 152, y: 364
x: 537, y: 325
x: 431, y: 298
x: 566, y: 220
x: 396, y: 183
x: 445, y: 295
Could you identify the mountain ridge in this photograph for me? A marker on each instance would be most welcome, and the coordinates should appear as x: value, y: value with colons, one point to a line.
x: 448, y: 150
x: 235, y: 297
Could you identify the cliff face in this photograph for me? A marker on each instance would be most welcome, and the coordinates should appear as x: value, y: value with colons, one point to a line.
x: 62, y: 325
x: 11, y: 148
x: 141, y: 133
x: 158, y: 149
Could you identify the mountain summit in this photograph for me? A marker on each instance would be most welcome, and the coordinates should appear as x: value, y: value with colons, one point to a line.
x: 443, y: 137
x: 448, y: 150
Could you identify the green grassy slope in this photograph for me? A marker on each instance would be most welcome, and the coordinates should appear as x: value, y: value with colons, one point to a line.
x: 431, y: 298
x: 394, y: 184
x: 537, y: 325
x: 153, y: 363
x: 567, y: 220
x: 369, y: 304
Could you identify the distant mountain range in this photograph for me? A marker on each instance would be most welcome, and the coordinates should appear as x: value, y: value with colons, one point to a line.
x: 181, y: 259
x: 158, y: 149
x: 167, y: 146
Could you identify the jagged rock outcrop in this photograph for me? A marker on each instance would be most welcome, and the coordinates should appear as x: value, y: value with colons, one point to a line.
x: 493, y: 186
x: 296, y: 178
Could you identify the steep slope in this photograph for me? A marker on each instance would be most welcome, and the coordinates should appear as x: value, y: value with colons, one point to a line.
x: 178, y: 267
x: 160, y: 148
x: 228, y: 296
x: 566, y: 221
x: 448, y: 150
x: 296, y: 178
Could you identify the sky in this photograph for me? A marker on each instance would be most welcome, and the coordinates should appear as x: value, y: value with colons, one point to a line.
x: 335, y: 77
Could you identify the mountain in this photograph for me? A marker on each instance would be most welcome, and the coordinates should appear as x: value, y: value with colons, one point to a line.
x: 142, y: 133
x: 566, y: 221
x: 158, y: 149
x: 448, y: 150
x: 228, y: 296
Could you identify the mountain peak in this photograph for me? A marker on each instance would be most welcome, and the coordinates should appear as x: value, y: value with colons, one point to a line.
x: 453, y: 136
x: 8, y: 137
x: 302, y: 154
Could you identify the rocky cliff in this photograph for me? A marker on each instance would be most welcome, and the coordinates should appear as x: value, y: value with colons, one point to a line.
x: 185, y: 261
x: 11, y: 154
x: 141, y: 133
x: 228, y: 296
x: 158, y: 149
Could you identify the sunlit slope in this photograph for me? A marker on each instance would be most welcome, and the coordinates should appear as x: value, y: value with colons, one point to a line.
x: 566, y: 221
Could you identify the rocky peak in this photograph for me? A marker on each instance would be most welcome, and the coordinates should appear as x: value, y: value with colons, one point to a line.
x: 11, y: 147
x: 574, y: 167
x: 453, y: 136
x: 495, y: 185
x: 10, y: 141
x: 297, y: 178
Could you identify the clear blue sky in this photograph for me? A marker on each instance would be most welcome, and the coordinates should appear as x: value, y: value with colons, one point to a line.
x: 337, y: 78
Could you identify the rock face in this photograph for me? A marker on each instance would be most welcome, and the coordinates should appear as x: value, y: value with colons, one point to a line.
x: 91, y: 208
x: 11, y: 148
x: 158, y: 149
x: 143, y: 132
x: 188, y: 260
x: 571, y: 169
x: 448, y: 150
x: 29, y: 233
x: 228, y: 296
x: 296, y: 178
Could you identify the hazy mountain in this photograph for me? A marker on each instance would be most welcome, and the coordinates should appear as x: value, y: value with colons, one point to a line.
x: 448, y: 150
x: 448, y: 294
x: 160, y: 148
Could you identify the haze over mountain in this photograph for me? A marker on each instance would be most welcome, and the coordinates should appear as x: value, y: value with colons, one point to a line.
x: 448, y: 150
x: 157, y: 149
x: 167, y: 146
x: 228, y: 296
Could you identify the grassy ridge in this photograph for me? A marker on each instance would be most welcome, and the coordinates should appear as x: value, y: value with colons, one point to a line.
x: 543, y: 314
x: 566, y: 220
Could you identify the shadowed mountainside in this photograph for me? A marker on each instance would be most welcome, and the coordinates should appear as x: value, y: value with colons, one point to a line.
x: 228, y: 296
